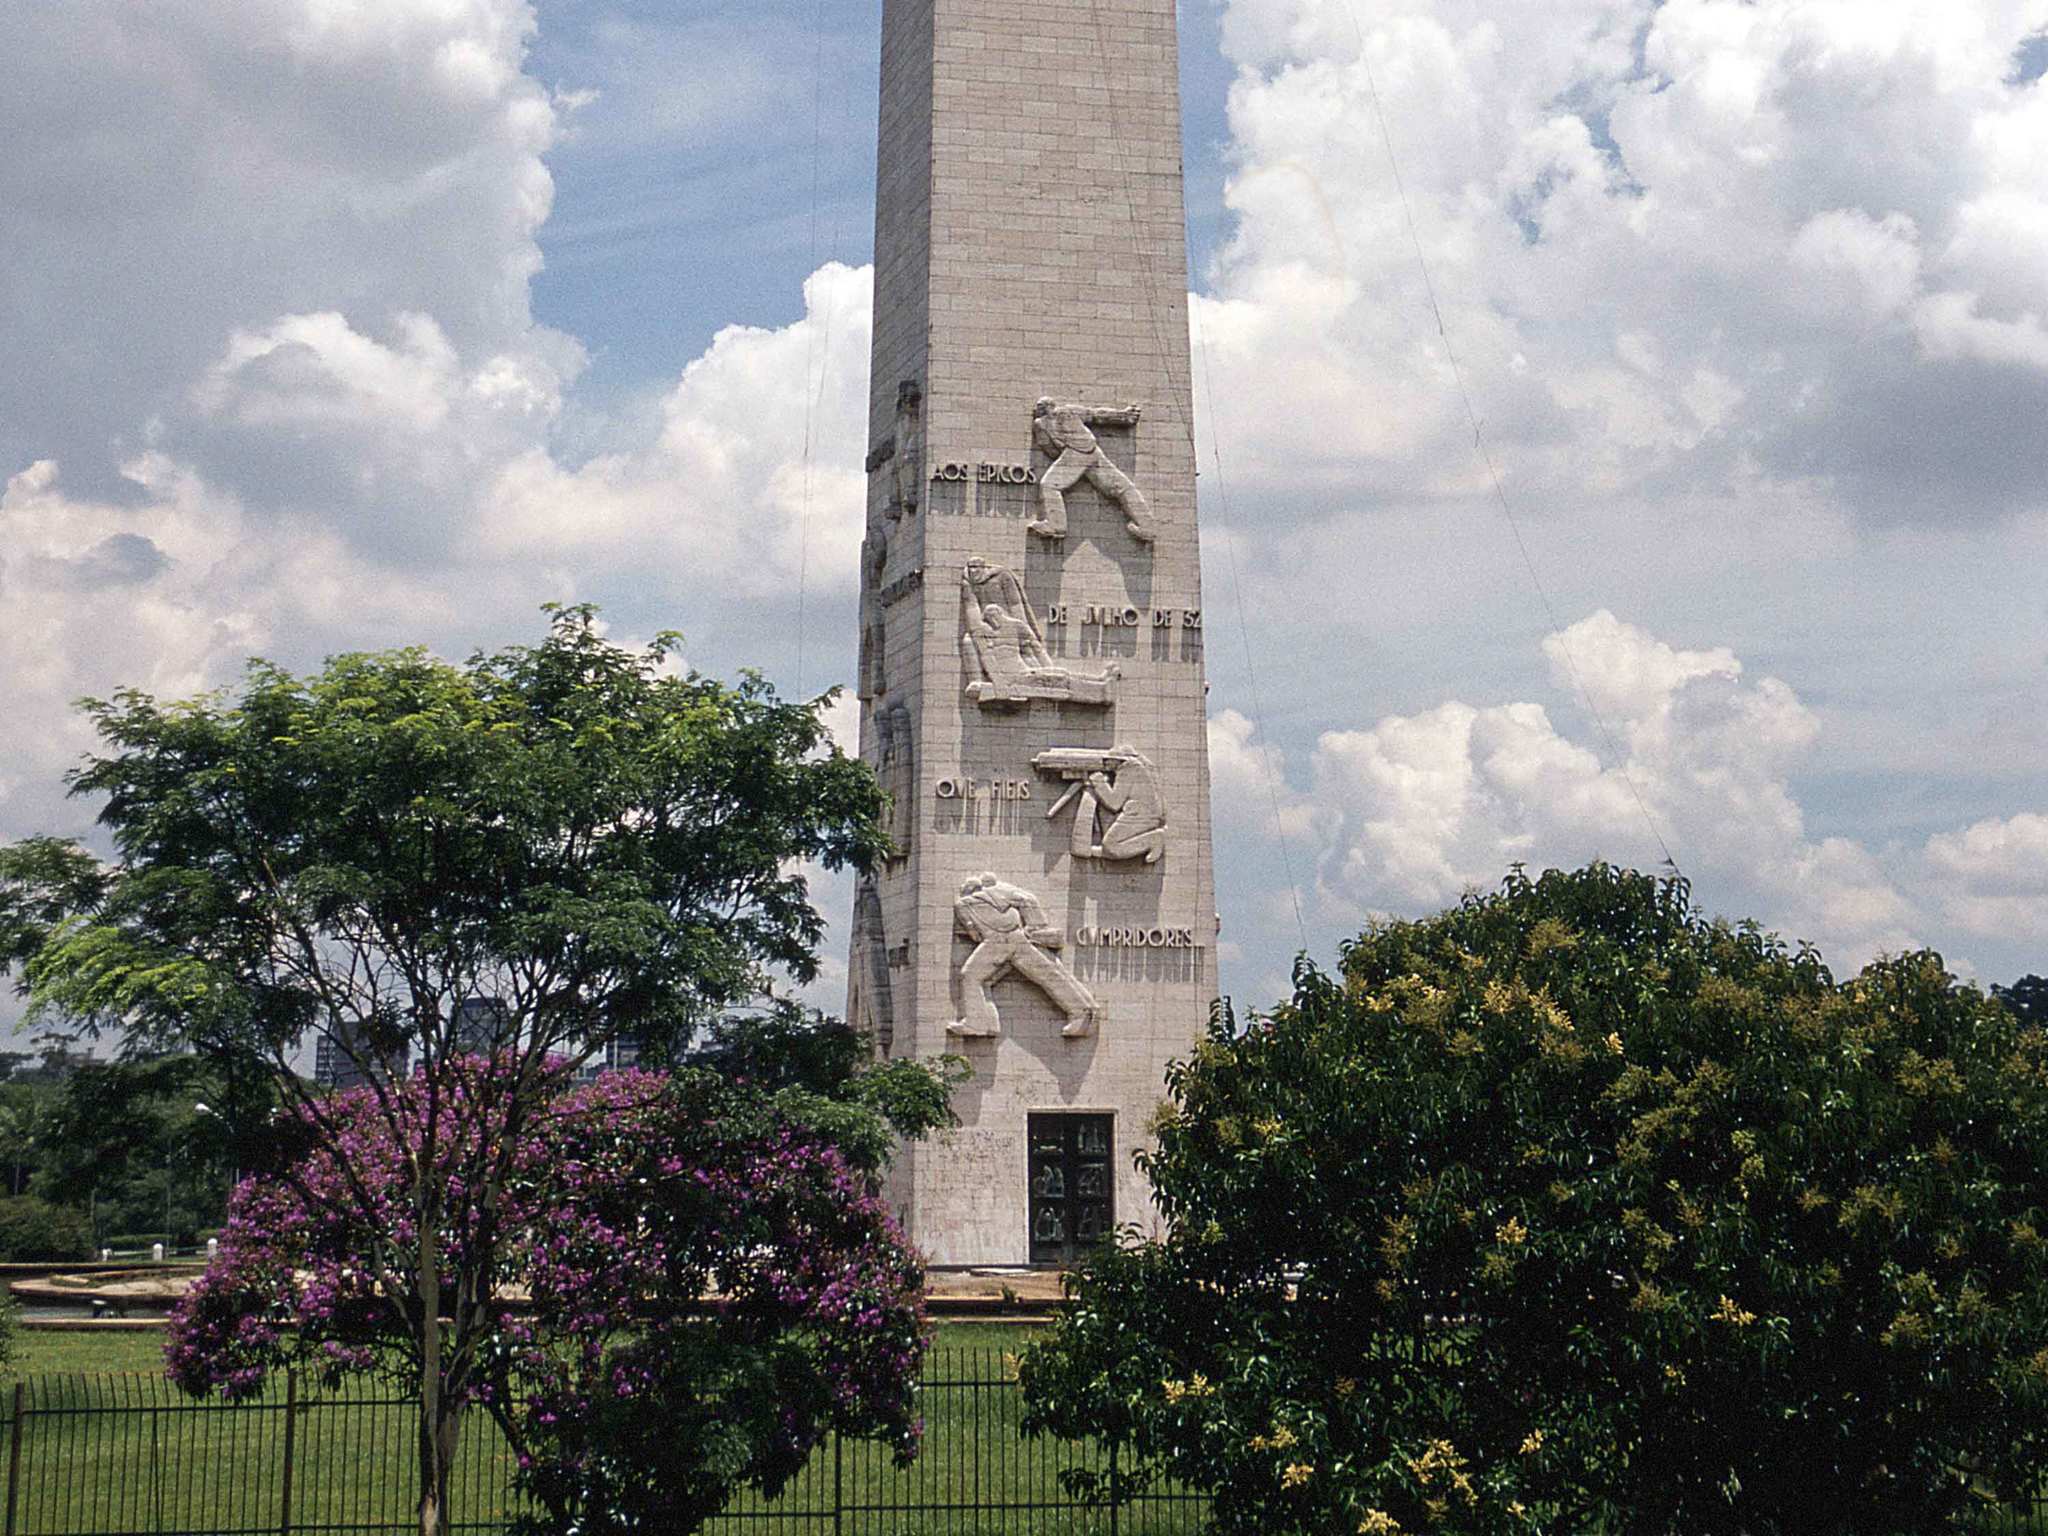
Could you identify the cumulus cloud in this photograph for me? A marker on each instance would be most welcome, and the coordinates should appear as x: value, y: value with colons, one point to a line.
x: 1992, y: 877
x: 731, y: 490
x: 1750, y: 298
x: 1681, y: 752
x: 1788, y: 241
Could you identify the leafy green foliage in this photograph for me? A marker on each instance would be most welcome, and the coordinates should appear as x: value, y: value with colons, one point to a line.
x: 573, y: 841
x: 2027, y: 998
x: 34, y: 1231
x: 820, y: 1073
x: 127, y: 1140
x: 1567, y: 1209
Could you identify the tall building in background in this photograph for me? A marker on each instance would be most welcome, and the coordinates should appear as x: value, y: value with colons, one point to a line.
x: 1031, y: 672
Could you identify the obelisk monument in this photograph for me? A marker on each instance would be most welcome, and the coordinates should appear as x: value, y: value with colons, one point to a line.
x: 1031, y: 673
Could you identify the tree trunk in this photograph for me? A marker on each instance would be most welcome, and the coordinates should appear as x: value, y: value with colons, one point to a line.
x: 439, y: 1422
x: 439, y: 1439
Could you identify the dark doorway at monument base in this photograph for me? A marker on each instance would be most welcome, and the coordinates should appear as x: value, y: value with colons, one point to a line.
x: 1072, y: 1207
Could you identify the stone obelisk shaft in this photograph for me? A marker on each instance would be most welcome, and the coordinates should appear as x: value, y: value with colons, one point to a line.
x: 1032, y: 675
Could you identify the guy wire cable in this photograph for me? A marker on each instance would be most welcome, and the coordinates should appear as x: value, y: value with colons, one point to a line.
x: 1486, y: 453
x: 1153, y: 307
x: 803, y: 530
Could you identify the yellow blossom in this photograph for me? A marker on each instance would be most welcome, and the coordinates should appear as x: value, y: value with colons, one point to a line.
x: 1346, y: 1385
x: 1518, y: 1509
x: 1511, y: 1233
x: 1728, y: 1312
x: 1296, y: 1474
x: 1378, y: 1522
x: 1614, y: 1045
x: 1441, y: 1460
x: 1533, y: 1443
x: 1908, y: 1327
x: 1197, y: 1386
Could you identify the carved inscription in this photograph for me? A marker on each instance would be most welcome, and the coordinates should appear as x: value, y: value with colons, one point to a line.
x: 1137, y: 938
x: 985, y: 473
x: 966, y: 787
x: 1109, y: 616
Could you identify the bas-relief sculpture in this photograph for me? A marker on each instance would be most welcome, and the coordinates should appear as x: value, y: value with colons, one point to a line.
x: 897, y: 770
x: 1011, y: 933
x: 875, y: 1006
x: 1003, y: 647
x: 909, y: 445
x: 903, y: 453
x: 1066, y: 433
x: 1121, y: 781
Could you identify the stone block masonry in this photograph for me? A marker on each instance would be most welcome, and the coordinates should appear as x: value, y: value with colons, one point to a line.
x: 1032, y: 679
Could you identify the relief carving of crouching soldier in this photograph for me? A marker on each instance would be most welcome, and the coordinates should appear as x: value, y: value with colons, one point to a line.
x: 1065, y: 432
x: 1123, y: 782
x: 1011, y: 932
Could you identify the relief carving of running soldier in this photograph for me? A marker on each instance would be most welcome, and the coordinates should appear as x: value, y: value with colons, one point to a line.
x: 1066, y: 433
x: 1011, y: 932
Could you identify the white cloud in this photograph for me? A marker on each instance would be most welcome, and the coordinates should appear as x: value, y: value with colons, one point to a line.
x: 1992, y: 877
x: 1734, y: 285
x: 725, y: 496
x: 1409, y: 813
x: 1822, y: 226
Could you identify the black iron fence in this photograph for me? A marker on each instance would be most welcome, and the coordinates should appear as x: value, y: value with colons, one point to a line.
x: 132, y: 1456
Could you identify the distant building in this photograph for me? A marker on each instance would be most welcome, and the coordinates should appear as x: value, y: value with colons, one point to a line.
x: 618, y: 1056
x: 334, y: 1067
x: 482, y: 1024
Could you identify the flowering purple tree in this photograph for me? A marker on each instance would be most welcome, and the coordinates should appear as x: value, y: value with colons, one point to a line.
x: 415, y: 863
x: 692, y: 1289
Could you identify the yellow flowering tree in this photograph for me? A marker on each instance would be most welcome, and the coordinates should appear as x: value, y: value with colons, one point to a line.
x: 1570, y: 1209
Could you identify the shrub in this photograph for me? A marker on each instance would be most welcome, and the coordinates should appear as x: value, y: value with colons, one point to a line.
x: 35, y: 1231
x: 1567, y: 1209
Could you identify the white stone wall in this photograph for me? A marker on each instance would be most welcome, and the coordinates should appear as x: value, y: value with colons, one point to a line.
x: 1030, y: 242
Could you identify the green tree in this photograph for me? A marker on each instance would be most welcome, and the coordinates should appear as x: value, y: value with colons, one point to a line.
x: 125, y: 1139
x: 35, y: 1231
x: 1568, y: 1209
x: 525, y: 857
x: 2027, y: 998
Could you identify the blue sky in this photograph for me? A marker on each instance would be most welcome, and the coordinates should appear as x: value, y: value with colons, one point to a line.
x: 333, y: 323
x: 680, y: 206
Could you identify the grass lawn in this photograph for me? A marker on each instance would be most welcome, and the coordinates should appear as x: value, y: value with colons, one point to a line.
x: 109, y: 1452
x: 41, y: 1352
x: 125, y: 1453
